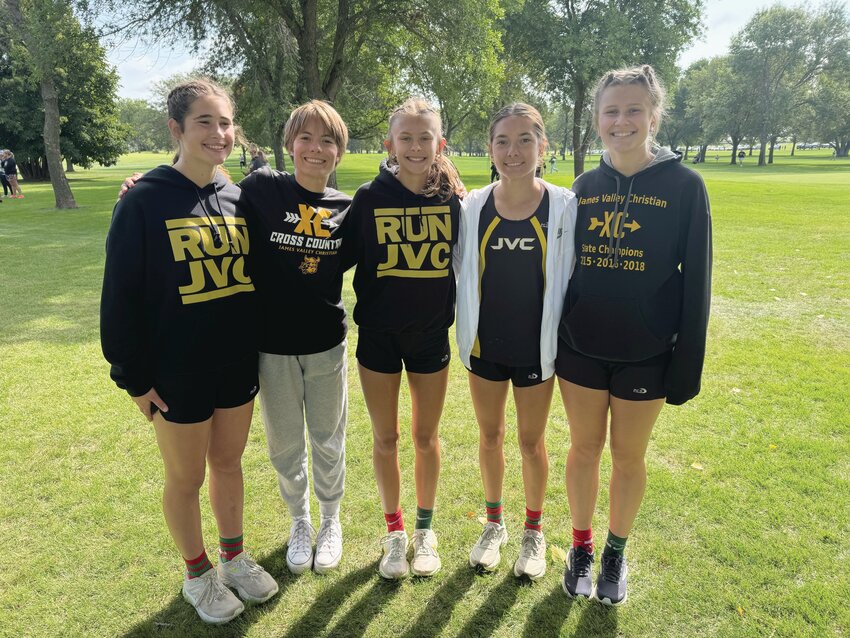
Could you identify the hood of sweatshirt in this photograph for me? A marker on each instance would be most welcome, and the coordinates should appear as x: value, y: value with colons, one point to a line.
x: 207, y: 196
x: 663, y: 157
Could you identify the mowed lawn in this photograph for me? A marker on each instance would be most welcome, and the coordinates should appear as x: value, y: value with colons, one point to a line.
x: 744, y: 529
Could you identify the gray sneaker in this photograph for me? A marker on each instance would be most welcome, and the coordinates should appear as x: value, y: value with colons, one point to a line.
x: 487, y: 550
x: 250, y: 581
x: 426, y: 561
x: 532, y: 556
x: 578, y: 577
x: 394, y: 563
x: 214, y: 602
x: 612, y: 581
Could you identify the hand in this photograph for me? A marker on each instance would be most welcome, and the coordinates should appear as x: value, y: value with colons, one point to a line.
x: 145, y: 400
x: 127, y: 184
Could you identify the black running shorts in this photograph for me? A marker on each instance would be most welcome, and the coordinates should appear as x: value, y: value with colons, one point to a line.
x: 632, y: 381
x: 520, y: 376
x: 420, y: 352
x: 192, y: 398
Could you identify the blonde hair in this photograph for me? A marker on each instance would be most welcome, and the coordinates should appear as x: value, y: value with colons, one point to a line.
x: 443, y: 180
x: 326, y: 114
x: 520, y: 109
x: 182, y: 96
x: 644, y: 76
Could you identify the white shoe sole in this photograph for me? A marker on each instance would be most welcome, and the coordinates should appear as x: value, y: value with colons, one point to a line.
x: 487, y: 568
x: 246, y: 596
x: 422, y: 572
x: 324, y: 569
x: 211, y: 619
x: 299, y: 568
x: 531, y: 577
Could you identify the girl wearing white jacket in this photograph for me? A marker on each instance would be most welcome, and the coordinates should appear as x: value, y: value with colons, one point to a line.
x: 517, y: 246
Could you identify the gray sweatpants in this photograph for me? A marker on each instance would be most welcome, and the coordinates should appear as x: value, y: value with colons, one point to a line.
x: 314, y: 386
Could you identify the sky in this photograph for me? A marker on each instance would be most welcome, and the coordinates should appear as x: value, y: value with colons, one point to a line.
x: 139, y: 67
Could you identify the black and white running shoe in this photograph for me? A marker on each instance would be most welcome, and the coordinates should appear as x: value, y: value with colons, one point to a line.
x: 611, y: 584
x: 578, y: 576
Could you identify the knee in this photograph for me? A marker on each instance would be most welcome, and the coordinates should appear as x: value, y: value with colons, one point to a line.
x: 386, y: 442
x: 185, y: 483
x: 532, y: 447
x: 628, y: 464
x: 425, y: 441
x: 492, y: 438
x: 225, y: 463
x: 587, y: 452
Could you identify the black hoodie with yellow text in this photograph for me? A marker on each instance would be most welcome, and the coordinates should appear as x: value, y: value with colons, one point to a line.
x: 176, y: 291
x: 642, y: 279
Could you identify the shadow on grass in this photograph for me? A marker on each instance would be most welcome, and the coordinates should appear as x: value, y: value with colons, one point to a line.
x: 548, y: 616
x: 180, y: 619
x: 489, y: 616
x: 432, y: 620
x: 354, y: 623
x: 597, y: 620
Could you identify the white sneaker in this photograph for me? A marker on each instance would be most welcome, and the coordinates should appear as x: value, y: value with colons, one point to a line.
x: 214, y: 602
x: 532, y: 556
x: 394, y: 563
x: 299, y: 553
x: 328, y: 546
x: 426, y: 561
x: 250, y: 581
x: 486, y: 552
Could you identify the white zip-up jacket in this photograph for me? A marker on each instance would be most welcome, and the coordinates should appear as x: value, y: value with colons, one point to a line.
x: 560, y: 260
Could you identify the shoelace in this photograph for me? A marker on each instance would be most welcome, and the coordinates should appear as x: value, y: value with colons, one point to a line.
x: 423, y: 547
x: 248, y: 566
x: 535, y: 543
x: 213, y: 591
x: 327, y: 535
x: 396, y: 547
x: 612, y: 567
x: 490, y: 535
x: 301, y: 534
x: 581, y: 563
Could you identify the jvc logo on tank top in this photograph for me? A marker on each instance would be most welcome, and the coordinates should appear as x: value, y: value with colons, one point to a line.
x: 214, y: 271
x: 418, y: 241
x: 523, y: 243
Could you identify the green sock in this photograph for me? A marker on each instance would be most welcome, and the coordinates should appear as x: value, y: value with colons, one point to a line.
x: 615, y: 544
x: 423, y: 518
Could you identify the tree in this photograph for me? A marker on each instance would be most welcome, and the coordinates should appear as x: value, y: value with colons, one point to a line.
x: 779, y: 52
x: 146, y: 126
x: 571, y: 44
x: 683, y: 123
x: 41, y: 26
x: 829, y: 102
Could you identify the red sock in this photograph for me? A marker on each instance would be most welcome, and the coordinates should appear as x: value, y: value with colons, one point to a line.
x: 583, y: 538
x: 395, y: 522
x: 532, y: 519
x: 198, y: 566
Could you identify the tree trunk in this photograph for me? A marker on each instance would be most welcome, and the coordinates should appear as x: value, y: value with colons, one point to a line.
x: 69, y: 166
x: 772, y: 146
x: 61, y: 188
x: 703, y: 151
x: 687, y: 150
x: 734, y: 159
x: 793, y: 145
x: 763, y: 137
x: 578, y: 149
x: 277, y: 142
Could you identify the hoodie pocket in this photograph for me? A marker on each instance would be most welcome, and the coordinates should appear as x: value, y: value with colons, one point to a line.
x: 662, y: 311
x: 614, y: 329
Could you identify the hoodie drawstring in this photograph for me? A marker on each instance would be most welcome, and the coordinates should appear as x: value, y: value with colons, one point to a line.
x: 216, y: 233
x: 616, y: 229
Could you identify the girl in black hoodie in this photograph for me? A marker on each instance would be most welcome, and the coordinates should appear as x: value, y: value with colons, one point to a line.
x: 635, y: 317
x: 176, y: 310
x: 402, y: 229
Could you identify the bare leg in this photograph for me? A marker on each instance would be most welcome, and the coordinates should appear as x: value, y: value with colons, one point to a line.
x: 381, y: 393
x: 488, y: 399
x: 427, y: 394
x: 532, y: 407
x: 229, y: 434
x: 631, y: 426
x: 183, y: 448
x: 587, y: 414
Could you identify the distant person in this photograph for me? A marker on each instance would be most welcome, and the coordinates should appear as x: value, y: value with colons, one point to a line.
x: 741, y: 156
x: 716, y: 157
x: 7, y: 187
x: 258, y: 158
x: 552, y: 161
x: 10, y: 167
x: 494, y: 174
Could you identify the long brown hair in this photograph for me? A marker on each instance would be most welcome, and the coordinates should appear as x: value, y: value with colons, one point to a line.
x: 443, y: 180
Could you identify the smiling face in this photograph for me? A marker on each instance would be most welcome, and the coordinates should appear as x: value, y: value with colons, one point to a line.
x: 515, y: 147
x: 206, y: 134
x: 415, y: 141
x: 626, y: 119
x: 315, y: 153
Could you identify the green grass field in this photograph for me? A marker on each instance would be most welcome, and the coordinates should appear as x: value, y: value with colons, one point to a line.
x: 743, y: 532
